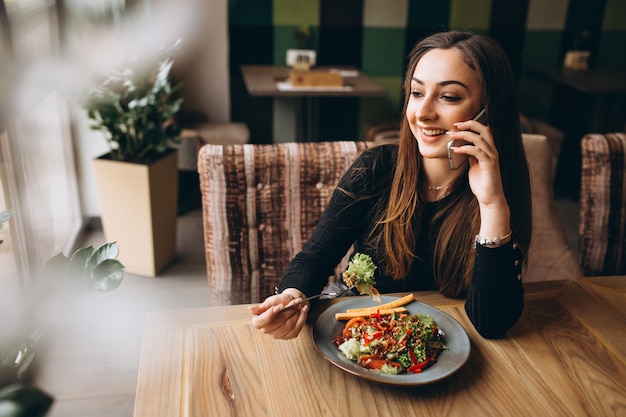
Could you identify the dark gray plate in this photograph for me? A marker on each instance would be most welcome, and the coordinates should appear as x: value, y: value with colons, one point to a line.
x: 448, y: 361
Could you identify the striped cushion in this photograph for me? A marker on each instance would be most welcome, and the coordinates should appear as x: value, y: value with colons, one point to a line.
x: 602, y: 229
x: 260, y: 203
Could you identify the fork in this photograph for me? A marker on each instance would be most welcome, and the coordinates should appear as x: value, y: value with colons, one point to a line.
x: 333, y: 294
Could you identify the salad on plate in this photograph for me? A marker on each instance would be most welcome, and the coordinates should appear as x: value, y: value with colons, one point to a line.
x: 392, y: 343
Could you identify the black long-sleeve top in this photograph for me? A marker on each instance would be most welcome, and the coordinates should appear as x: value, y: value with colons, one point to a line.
x: 494, y: 299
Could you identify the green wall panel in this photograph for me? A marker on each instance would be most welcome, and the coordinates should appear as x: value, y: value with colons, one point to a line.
x: 535, y: 98
x: 542, y: 48
x: 615, y: 16
x: 250, y: 12
x: 431, y: 14
x: 612, y: 50
x: 393, y: 85
x: 373, y: 110
x: 471, y: 15
x: 296, y: 12
x: 383, y: 51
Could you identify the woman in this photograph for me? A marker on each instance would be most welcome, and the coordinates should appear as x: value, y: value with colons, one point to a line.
x: 465, y: 231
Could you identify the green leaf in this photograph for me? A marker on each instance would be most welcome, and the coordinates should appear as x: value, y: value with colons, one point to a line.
x: 25, y: 363
x: 11, y: 409
x: 108, y: 250
x: 77, y: 267
x: 18, y: 400
x: 4, y: 216
x: 108, y: 275
x: 57, y: 265
x: 9, y: 350
x: 133, y: 109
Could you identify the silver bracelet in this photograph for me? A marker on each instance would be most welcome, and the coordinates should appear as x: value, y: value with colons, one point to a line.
x: 496, y: 241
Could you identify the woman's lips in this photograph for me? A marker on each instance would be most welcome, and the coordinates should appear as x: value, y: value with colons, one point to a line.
x: 432, y: 135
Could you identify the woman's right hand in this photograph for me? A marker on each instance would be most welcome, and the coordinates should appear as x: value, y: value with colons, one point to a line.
x: 270, y: 318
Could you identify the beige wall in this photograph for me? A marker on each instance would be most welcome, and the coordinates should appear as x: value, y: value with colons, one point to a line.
x: 204, y: 65
x: 201, y: 62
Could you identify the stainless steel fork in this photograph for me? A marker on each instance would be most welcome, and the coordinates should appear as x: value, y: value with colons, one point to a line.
x: 333, y: 294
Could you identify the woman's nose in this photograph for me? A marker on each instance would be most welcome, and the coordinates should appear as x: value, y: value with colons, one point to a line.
x: 426, y: 110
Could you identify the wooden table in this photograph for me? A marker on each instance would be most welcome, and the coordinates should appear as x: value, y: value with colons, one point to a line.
x: 263, y: 81
x: 603, y: 90
x: 565, y: 357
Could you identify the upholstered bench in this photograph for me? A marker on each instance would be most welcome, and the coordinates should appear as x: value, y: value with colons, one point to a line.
x: 260, y: 203
x: 602, y: 229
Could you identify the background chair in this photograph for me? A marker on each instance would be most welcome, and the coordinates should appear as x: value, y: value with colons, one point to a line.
x: 602, y: 229
x: 198, y: 131
x: 537, y: 127
x: 550, y: 256
x: 260, y: 203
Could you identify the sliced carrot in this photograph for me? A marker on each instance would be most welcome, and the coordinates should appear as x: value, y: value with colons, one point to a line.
x: 365, y: 313
x: 355, y: 321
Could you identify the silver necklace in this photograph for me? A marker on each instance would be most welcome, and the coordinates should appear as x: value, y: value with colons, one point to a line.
x: 435, y: 188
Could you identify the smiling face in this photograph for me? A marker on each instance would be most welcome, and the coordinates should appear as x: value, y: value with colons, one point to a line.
x: 444, y: 91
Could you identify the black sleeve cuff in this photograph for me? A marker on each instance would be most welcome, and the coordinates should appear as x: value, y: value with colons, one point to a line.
x: 495, y: 298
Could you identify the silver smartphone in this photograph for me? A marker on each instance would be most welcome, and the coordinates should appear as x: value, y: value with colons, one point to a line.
x: 456, y: 160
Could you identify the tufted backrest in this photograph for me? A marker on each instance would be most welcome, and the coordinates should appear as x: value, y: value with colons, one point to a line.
x: 260, y: 203
x: 602, y: 228
x: 550, y: 256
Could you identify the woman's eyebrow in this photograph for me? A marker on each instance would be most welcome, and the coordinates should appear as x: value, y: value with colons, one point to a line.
x: 442, y: 83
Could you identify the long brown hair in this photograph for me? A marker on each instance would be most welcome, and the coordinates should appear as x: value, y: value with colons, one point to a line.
x: 459, y: 217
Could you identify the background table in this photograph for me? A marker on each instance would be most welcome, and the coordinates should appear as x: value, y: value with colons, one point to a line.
x: 584, y: 101
x: 565, y: 357
x: 594, y: 80
x: 262, y: 81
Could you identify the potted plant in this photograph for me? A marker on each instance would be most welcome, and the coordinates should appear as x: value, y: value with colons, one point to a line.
x: 137, y: 180
x: 87, y: 269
